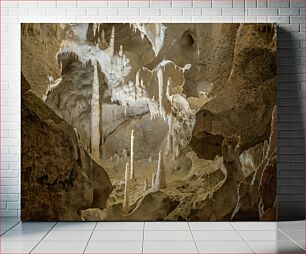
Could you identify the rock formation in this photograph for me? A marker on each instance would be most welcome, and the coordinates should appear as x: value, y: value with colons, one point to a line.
x: 245, y: 103
x: 204, y: 94
x: 126, y: 186
x: 132, y: 171
x: 59, y: 178
x: 223, y: 201
x: 160, y: 181
x: 259, y: 196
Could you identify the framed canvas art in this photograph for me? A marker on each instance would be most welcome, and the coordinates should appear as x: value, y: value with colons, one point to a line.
x: 148, y: 122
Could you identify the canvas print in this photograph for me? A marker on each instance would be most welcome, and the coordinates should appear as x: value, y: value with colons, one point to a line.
x: 148, y: 122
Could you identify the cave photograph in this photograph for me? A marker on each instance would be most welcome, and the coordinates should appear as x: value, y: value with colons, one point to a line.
x: 148, y: 122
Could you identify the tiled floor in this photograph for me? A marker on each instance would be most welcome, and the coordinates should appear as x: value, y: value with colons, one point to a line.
x: 152, y: 237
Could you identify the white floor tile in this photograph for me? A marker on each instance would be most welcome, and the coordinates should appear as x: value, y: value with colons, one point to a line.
x: 211, y: 226
x: 78, y: 226
x: 69, y: 236
x: 224, y: 247
x: 7, y: 225
x: 297, y: 236
x: 276, y: 247
x: 166, y: 225
x: 301, y: 243
x: 257, y: 225
x: 167, y: 236
x: 22, y: 236
x: 273, y: 235
x: 290, y: 225
x: 60, y: 247
x: 169, y: 247
x: 107, y: 236
x: 216, y: 236
x: 119, y: 226
x: 33, y: 226
x: 114, y: 247
x: 17, y: 247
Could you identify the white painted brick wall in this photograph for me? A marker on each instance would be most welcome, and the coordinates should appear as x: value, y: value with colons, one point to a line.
x: 291, y: 67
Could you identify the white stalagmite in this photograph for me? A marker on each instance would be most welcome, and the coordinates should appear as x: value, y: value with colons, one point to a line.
x: 170, y: 134
x: 137, y: 82
x: 160, y: 174
x: 95, y: 115
x: 132, y: 172
x: 124, y: 154
x: 120, y: 53
x: 168, y: 88
x: 145, y: 184
x: 153, y: 186
x: 126, y: 185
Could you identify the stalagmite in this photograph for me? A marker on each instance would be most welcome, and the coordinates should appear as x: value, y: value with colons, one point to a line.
x: 150, y: 159
x: 121, y: 51
x: 170, y: 135
x: 160, y: 174
x: 168, y: 87
x: 145, y: 187
x: 126, y: 193
x: 137, y: 82
x: 153, y: 186
x: 116, y: 160
x: 95, y: 115
x: 132, y: 174
x: 124, y: 154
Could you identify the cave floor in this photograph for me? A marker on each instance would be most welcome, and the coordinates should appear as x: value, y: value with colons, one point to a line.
x: 152, y: 237
x: 185, y: 186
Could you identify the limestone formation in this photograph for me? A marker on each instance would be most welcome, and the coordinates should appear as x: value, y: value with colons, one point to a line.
x: 126, y: 190
x: 153, y: 182
x: 132, y: 171
x: 59, y: 178
x: 95, y: 115
x: 145, y: 184
x: 160, y: 181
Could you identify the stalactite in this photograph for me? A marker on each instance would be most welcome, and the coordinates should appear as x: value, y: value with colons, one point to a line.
x: 111, y: 46
x: 132, y: 174
x: 160, y: 90
x: 160, y: 174
x: 95, y: 115
x: 126, y: 185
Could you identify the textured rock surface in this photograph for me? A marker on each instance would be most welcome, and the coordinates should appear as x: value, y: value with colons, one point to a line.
x: 59, y: 178
x: 244, y: 105
x: 39, y: 45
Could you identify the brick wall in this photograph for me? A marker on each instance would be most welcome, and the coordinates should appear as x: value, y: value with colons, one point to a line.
x: 289, y: 14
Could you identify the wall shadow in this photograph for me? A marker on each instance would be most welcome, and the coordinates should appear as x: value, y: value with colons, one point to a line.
x: 291, y: 134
